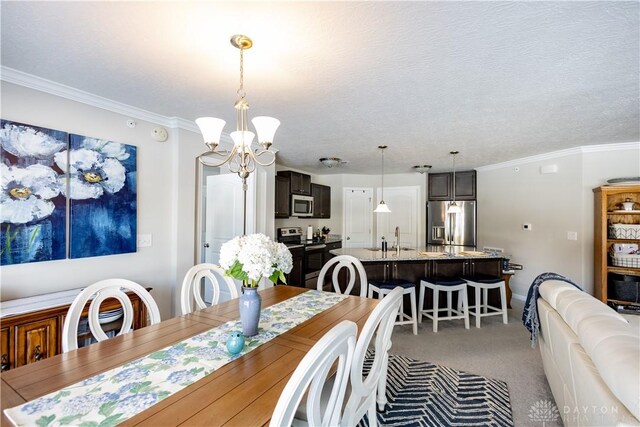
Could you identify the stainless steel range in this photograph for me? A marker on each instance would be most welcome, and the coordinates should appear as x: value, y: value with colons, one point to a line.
x: 290, y: 236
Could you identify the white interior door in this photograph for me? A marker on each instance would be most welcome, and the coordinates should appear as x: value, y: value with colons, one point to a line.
x: 404, y: 203
x: 224, y: 215
x: 358, y: 211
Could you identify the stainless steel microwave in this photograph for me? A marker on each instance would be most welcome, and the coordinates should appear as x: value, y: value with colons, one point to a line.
x: 301, y: 205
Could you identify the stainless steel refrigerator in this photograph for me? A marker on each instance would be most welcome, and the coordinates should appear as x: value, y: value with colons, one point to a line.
x: 451, y: 229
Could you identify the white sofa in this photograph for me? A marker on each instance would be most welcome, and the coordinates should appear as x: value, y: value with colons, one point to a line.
x: 591, y: 357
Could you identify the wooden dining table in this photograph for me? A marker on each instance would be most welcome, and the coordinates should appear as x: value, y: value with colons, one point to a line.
x: 243, y: 392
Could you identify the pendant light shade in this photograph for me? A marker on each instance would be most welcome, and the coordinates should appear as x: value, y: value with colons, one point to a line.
x: 382, y: 206
x: 453, y: 207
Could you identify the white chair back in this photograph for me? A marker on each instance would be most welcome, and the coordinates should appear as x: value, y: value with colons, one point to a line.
x: 192, y: 291
x: 352, y: 264
x: 337, y: 345
x: 363, y: 390
x: 97, y: 293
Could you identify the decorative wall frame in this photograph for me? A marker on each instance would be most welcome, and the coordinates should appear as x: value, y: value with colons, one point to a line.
x: 42, y: 172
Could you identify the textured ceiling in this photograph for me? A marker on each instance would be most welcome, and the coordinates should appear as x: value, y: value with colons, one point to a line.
x: 495, y: 80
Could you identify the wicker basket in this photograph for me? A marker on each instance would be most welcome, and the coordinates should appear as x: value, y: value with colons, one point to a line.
x: 624, y: 231
x: 625, y: 260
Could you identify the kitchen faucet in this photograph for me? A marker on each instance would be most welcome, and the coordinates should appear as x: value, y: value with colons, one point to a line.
x: 397, y: 240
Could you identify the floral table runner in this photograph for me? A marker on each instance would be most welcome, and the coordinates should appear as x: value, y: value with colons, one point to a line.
x: 116, y: 395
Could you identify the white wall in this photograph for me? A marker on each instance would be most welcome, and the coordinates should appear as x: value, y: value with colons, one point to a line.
x: 516, y: 192
x: 166, y: 188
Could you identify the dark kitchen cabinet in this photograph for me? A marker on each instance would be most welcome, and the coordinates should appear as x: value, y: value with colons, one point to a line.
x: 283, y: 197
x: 321, y: 201
x: 299, y: 183
x: 330, y: 247
x: 296, y: 276
x: 441, y: 186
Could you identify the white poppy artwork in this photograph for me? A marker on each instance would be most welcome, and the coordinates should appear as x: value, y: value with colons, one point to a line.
x: 42, y: 171
x: 102, y: 194
x: 32, y: 201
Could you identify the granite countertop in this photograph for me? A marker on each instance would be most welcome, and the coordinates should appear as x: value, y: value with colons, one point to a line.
x: 428, y: 253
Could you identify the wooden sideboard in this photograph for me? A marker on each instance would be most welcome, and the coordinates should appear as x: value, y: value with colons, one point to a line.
x: 31, y: 328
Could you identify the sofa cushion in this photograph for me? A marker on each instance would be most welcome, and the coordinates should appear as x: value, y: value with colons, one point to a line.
x: 592, y: 330
x: 551, y: 289
x: 595, y: 404
x: 618, y: 360
x: 573, y: 306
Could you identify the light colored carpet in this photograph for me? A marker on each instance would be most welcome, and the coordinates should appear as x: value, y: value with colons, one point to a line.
x: 495, y: 350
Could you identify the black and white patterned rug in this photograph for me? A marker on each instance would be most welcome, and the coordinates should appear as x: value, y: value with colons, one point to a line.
x: 423, y: 394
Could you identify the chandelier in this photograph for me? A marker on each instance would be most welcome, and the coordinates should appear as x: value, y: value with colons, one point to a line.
x: 242, y: 158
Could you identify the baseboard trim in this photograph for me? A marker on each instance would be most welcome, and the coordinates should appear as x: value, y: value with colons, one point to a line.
x: 519, y: 297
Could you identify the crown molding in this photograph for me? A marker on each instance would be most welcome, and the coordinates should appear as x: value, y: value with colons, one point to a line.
x: 562, y: 153
x: 17, y: 77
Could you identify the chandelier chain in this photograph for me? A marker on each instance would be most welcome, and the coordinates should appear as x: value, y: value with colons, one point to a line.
x: 241, y: 93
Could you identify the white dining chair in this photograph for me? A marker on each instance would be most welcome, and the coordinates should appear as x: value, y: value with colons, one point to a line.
x: 97, y: 293
x: 353, y: 265
x: 192, y: 291
x: 369, y: 390
x: 335, y: 348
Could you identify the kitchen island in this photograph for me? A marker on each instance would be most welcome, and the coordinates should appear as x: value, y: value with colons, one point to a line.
x: 415, y: 264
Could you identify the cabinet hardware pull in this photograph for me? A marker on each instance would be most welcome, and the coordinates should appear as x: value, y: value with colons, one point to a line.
x: 37, y: 354
x: 5, y: 362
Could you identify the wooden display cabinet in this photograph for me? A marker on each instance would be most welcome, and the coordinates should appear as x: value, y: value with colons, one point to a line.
x: 34, y: 331
x: 608, y: 210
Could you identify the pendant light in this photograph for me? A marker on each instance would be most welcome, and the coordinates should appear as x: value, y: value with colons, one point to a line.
x: 382, y: 206
x: 453, y: 206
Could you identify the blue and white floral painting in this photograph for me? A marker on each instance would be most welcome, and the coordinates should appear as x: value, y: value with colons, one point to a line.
x: 102, y: 196
x: 32, y: 203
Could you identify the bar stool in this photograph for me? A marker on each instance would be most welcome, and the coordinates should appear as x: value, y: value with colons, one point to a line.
x: 384, y: 287
x: 485, y: 282
x: 448, y: 285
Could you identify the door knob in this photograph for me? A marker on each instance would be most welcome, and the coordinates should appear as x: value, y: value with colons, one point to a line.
x: 206, y: 245
x: 348, y: 238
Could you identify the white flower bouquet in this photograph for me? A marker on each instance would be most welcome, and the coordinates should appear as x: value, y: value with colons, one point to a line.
x: 250, y: 258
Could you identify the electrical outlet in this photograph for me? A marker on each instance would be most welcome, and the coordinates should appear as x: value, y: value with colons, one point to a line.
x: 144, y: 240
x: 527, y: 227
x: 572, y: 235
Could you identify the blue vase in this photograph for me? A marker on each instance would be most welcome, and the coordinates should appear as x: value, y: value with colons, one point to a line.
x: 250, y: 303
x: 235, y: 342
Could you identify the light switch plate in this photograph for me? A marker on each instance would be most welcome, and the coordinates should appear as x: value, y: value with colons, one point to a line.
x: 144, y: 240
x: 572, y: 235
x: 527, y: 227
